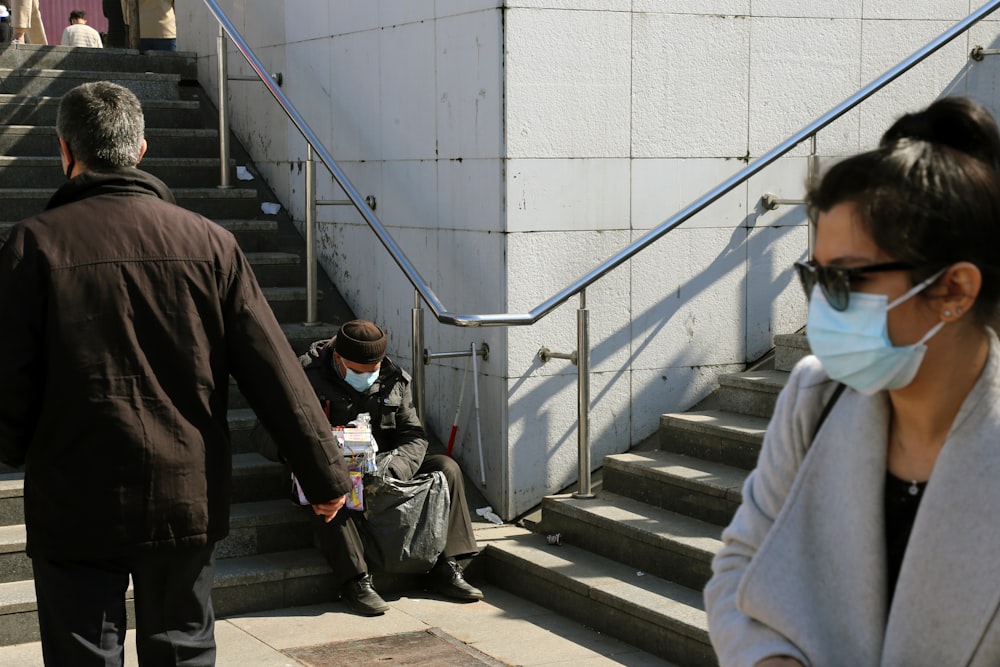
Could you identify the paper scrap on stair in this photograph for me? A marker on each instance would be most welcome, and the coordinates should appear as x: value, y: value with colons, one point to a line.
x: 487, y: 513
x: 243, y: 173
x: 270, y: 208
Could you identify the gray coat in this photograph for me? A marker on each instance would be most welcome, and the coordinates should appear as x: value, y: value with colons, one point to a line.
x: 802, y: 569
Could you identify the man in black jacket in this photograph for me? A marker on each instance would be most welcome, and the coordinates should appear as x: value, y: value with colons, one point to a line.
x: 351, y: 375
x: 123, y: 317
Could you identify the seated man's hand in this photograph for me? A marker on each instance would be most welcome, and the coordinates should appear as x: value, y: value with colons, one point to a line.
x: 329, y: 509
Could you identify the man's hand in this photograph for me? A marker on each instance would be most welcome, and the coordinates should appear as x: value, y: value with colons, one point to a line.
x: 329, y: 509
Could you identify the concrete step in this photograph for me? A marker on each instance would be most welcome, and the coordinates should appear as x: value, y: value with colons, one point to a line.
x: 714, y: 435
x: 646, y: 611
x: 752, y: 392
x: 277, y: 268
x: 183, y: 64
x: 11, y: 498
x: 41, y: 110
x: 288, y: 303
x: 46, y: 172
x: 42, y: 141
x: 56, y: 82
x: 653, y: 540
x: 788, y: 349
x: 700, y: 489
x: 19, y: 203
x: 242, y: 585
x: 254, y: 478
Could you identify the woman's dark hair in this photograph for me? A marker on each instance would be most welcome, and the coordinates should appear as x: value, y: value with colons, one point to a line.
x: 929, y: 195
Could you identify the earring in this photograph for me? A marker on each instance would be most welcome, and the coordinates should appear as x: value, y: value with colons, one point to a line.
x: 947, y: 313
x: 958, y: 311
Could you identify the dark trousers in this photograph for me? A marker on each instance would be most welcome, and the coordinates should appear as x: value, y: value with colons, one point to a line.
x: 81, y: 609
x: 117, y: 30
x: 341, y: 544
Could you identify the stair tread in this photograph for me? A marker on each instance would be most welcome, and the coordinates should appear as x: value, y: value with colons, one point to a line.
x: 708, y: 476
x: 110, y: 75
x: 19, y: 596
x: 191, y: 132
x: 179, y: 193
x: 760, y: 380
x: 10, y: 98
x: 746, y: 427
x: 12, y: 538
x: 605, y: 580
x: 273, y: 257
x: 655, y: 523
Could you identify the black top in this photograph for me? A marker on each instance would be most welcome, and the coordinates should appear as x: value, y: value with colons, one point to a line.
x: 902, y: 499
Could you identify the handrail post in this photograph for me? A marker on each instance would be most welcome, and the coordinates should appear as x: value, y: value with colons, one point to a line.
x: 222, y: 56
x: 812, y: 173
x: 310, y: 224
x: 417, y: 325
x: 583, y: 396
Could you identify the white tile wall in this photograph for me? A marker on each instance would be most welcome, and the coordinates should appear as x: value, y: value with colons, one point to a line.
x: 690, y: 86
x: 398, y: 12
x: 776, y: 303
x: 451, y: 7
x: 567, y: 195
x: 660, y: 391
x: 688, y: 306
x: 409, y: 193
x: 347, y: 16
x: 469, y: 72
x: 471, y: 195
x: 950, y: 10
x: 409, y: 102
x: 799, y: 69
x: 586, y: 5
x: 542, y: 431
x: 662, y: 187
x: 541, y: 264
x: 704, y: 7
x: 355, y: 99
x: 819, y: 9
x: 567, y: 83
x: 310, y: 20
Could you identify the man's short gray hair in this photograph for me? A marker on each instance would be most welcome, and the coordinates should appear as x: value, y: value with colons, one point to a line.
x: 103, y: 124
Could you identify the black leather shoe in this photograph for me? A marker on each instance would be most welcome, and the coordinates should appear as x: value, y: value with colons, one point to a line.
x: 446, y: 578
x: 362, y: 598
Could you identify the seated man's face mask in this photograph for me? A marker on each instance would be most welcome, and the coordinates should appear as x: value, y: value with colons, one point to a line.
x: 360, y: 382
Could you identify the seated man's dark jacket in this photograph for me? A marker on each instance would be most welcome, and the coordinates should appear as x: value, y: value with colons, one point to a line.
x: 389, y: 402
x: 123, y: 317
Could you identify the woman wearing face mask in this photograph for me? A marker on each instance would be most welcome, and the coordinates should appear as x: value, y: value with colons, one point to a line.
x: 867, y: 531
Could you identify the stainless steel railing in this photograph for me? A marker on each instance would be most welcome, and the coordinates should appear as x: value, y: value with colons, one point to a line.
x: 423, y: 292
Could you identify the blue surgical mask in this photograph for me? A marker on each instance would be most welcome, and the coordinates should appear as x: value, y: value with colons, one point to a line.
x: 360, y: 381
x: 854, y: 344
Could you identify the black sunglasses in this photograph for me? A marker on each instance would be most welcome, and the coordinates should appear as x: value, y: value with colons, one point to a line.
x: 835, y: 281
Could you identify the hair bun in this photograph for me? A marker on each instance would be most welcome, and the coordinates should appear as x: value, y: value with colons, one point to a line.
x: 956, y: 122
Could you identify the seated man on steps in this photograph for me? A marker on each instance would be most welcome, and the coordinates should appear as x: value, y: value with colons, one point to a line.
x: 351, y: 376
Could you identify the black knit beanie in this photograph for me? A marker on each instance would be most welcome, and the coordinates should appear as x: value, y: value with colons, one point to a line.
x: 361, y: 342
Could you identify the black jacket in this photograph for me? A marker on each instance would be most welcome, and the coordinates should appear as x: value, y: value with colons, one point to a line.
x: 389, y: 402
x: 123, y: 316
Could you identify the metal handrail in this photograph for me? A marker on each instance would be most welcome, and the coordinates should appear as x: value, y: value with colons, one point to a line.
x: 423, y: 292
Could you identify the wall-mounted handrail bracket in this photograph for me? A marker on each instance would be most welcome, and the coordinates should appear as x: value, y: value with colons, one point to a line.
x: 978, y: 53
x: 545, y: 354
x: 483, y: 351
x: 771, y: 201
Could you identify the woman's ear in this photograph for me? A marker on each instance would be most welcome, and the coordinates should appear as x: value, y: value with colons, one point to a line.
x: 957, y: 289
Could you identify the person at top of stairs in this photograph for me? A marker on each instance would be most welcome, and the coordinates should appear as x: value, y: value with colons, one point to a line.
x: 866, y: 533
x: 351, y: 374
x: 124, y: 317
x: 78, y: 33
x: 27, y: 20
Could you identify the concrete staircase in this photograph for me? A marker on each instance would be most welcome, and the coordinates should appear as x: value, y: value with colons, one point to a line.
x: 268, y: 560
x: 632, y: 562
